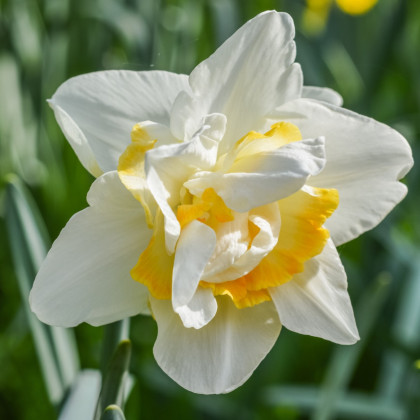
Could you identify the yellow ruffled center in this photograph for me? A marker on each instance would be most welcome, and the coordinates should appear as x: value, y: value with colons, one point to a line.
x: 301, y: 237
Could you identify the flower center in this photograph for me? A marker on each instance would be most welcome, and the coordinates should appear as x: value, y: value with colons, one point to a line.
x: 255, y: 250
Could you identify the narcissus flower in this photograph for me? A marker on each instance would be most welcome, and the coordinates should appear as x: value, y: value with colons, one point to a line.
x: 220, y: 216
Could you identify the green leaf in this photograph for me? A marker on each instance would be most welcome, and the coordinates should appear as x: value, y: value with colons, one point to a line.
x: 397, y: 373
x: 114, y: 334
x: 113, y: 385
x: 113, y: 412
x: 332, y: 399
x: 55, y: 347
x: 18, y: 125
x: 80, y: 402
x: 352, y: 405
x: 344, y: 71
x: 343, y: 363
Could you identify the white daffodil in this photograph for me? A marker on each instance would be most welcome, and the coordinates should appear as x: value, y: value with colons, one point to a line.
x: 222, y: 214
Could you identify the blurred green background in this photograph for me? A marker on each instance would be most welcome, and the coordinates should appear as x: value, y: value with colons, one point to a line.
x: 372, y: 59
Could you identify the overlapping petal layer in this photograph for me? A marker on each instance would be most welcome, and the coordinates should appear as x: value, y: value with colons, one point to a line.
x: 168, y: 167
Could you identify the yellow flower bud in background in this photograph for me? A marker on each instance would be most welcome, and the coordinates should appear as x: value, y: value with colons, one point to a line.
x: 355, y: 7
x: 316, y: 13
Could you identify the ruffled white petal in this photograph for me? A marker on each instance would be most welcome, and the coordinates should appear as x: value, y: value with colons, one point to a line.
x: 322, y: 94
x: 161, y: 195
x: 265, y: 177
x: 316, y: 302
x: 220, y: 356
x: 232, y: 243
x: 97, y: 111
x: 267, y: 219
x: 365, y: 160
x: 234, y: 255
x: 168, y: 167
x: 200, y: 310
x: 195, y: 246
x: 248, y: 76
x: 86, y: 275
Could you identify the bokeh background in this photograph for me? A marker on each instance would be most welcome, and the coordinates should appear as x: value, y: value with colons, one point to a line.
x: 372, y: 59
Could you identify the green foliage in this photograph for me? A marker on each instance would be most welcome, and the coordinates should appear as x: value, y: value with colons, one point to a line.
x: 113, y: 412
x: 114, y: 380
x: 55, y: 347
x: 372, y: 60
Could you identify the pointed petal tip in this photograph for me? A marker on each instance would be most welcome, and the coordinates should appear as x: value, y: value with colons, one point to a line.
x: 352, y: 338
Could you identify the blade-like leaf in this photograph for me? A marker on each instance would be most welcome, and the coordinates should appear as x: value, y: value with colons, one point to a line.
x: 113, y: 412
x: 113, y: 385
x: 352, y: 405
x: 56, y: 347
x: 81, y: 401
x: 344, y: 360
x: 114, y: 334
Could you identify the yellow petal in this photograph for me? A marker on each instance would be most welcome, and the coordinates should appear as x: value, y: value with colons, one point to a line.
x: 131, y: 169
x: 238, y: 292
x: 207, y: 209
x: 154, y: 267
x: 279, y: 135
x: 186, y: 213
x: 253, y: 298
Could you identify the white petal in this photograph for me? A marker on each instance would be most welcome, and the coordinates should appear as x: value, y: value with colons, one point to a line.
x: 232, y: 243
x: 248, y: 76
x: 195, y: 246
x: 169, y: 166
x: 86, y: 275
x: 77, y: 140
x: 159, y: 132
x: 316, y: 302
x: 97, y: 111
x: 220, y: 356
x: 200, y: 310
x: 161, y: 195
x: 265, y: 177
x: 322, y: 94
x: 267, y: 219
x: 365, y: 160
x: 235, y: 257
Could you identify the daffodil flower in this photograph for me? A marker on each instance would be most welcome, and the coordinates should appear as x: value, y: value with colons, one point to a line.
x: 219, y: 201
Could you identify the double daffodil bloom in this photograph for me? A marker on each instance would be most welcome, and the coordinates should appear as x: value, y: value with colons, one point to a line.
x: 219, y: 201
